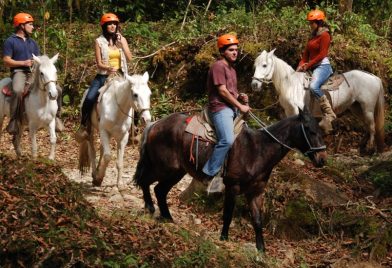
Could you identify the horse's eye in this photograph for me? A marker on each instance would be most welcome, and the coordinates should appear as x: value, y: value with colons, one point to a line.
x: 135, y: 95
x: 264, y: 65
x: 42, y: 74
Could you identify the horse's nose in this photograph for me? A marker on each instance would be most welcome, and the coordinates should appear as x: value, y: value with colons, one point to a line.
x: 146, y: 116
x: 256, y: 85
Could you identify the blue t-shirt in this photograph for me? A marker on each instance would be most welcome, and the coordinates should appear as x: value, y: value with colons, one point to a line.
x: 19, y: 49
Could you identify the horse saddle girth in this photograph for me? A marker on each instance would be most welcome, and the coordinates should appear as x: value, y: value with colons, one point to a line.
x: 200, y: 125
x: 331, y: 84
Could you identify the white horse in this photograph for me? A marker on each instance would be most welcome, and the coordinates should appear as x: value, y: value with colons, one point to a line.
x: 113, y: 117
x: 362, y: 93
x: 40, y: 105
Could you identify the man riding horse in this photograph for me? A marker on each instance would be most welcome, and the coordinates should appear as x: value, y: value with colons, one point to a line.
x: 223, y: 102
x: 18, y: 52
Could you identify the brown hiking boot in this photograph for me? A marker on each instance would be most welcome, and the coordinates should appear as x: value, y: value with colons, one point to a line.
x: 59, y: 125
x: 12, y: 127
x: 328, y: 115
x: 82, y: 134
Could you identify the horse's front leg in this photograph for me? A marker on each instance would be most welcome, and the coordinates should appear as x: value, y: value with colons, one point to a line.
x: 33, y: 138
x: 53, y: 139
x: 120, y: 160
x: 105, y: 155
x: 255, y: 205
x: 228, y: 208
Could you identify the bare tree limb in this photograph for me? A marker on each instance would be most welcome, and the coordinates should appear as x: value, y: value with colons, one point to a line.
x: 152, y: 54
x: 186, y: 12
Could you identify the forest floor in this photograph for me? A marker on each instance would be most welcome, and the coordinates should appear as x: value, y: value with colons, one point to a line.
x: 320, y: 251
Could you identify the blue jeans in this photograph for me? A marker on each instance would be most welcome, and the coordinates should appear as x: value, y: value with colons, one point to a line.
x: 320, y: 75
x: 92, y: 97
x: 223, y: 121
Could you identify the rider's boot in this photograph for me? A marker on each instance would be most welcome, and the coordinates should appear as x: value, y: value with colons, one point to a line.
x: 328, y: 115
x: 12, y: 127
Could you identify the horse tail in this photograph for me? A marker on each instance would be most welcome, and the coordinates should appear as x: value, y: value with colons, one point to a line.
x: 144, y: 163
x: 379, y: 118
x: 84, y: 157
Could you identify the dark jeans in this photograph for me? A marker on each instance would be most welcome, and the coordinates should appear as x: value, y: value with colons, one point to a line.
x: 91, y: 97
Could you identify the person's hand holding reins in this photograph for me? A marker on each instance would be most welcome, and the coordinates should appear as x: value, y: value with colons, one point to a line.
x: 302, y: 68
x: 28, y: 63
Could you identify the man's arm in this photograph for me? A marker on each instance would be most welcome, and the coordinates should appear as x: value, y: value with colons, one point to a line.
x: 225, y: 94
x: 9, y: 62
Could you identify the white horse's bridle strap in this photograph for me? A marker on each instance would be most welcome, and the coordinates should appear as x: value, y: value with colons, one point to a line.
x: 47, y: 82
x: 262, y: 80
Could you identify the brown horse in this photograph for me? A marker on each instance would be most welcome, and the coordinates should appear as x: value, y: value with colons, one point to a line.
x: 165, y: 154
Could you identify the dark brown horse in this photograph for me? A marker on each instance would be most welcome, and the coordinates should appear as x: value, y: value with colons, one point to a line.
x: 165, y: 154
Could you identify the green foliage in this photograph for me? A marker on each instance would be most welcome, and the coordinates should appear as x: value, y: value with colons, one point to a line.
x: 381, y: 175
x: 198, y: 257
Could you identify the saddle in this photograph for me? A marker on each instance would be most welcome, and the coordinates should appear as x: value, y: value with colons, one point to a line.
x: 7, y: 89
x: 200, y: 126
x: 331, y: 84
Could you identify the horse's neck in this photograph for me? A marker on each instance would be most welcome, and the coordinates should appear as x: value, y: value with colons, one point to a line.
x: 121, y: 96
x: 288, y: 83
x: 279, y: 133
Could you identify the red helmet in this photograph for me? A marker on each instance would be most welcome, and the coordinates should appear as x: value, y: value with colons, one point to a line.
x: 227, y: 39
x: 22, y: 18
x: 315, y: 14
x: 109, y: 17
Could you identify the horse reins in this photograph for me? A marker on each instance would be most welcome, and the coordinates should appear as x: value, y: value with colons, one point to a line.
x: 264, y: 127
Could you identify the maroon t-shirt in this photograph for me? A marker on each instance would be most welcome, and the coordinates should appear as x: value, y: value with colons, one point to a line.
x: 220, y: 73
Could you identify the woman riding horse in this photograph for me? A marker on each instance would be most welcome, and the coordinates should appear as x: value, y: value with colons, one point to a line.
x: 111, y: 55
x: 315, y: 58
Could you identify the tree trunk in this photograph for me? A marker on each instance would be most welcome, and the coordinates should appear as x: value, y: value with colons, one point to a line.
x: 345, y: 6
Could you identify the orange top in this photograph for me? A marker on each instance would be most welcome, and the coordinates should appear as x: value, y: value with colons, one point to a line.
x: 316, y: 50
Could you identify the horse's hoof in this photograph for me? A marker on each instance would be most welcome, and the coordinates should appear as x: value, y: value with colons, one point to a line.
x: 224, y: 237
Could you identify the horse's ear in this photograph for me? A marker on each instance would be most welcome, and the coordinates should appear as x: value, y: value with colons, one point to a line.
x: 55, y: 58
x: 36, y: 59
x: 145, y: 77
x: 271, y: 52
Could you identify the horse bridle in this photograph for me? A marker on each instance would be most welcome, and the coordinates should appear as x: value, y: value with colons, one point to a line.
x: 262, y: 80
x: 47, y: 82
x: 309, y: 151
x: 127, y: 114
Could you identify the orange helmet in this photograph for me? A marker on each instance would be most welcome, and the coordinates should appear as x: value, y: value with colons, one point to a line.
x: 316, y: 14
x: 227, y: 39
x: 108, y: 17
x: 22, y: 18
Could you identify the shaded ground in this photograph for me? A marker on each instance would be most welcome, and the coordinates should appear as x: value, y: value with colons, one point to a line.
x: 201, y: 218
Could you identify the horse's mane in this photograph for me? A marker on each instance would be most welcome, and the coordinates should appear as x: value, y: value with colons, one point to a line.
x: 285, y: 73
x: 281, y: 125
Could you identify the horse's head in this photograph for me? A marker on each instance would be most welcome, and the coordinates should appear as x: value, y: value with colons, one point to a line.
x: 310, y: 138
x: 141, y: 95
x: 46, y: 75
x: 264, y: 69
